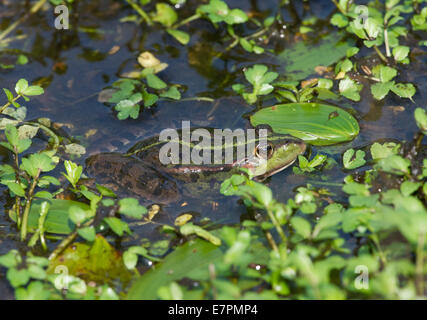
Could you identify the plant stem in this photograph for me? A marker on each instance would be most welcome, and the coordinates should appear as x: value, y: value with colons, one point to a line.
x: 9, y: 103
x: 67, y: 241
x: 24, y: 225
x: 419, y: 265
x: 380, y: 251
x: 207, y: 99
x: 14, y: 25
x: 271, y: 241
x: 338, y: 7
x: 387, y: 46
x: 141, y: 12
x: 187, y: 20
x: 63, y: 245
x: 380, y: 54
x: 17, y: 199
x: 278, y: 227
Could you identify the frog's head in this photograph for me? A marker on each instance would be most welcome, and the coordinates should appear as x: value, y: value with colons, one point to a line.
x: 273, y: 154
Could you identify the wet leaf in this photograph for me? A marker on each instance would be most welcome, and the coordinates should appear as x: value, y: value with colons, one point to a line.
x: 189, y: 229
x: 404, y: 90
x: 75, y: 149
x: 118, y: 226
x: 421, y: 119
x: 310, y: 122
x: 57, y: 220
x: 155, y: 82
x: 98, y: 262
x: 181, y: 36
x: 165, y: 14
x: 300, y: 60
x: 350, y: 89
x: 353, y: 160
x: 130, y: 207
x: 381, y: 151
x: 183, y: 219
x: 188, y: 261
x: 36, y: 162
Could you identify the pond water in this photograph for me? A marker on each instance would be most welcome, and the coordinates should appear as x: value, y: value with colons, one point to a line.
x: 75, y: 65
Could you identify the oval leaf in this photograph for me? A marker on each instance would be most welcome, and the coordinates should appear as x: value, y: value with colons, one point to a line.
x: 317, y: 124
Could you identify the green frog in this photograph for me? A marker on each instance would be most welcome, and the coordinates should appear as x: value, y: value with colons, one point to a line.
x: 150, y: 171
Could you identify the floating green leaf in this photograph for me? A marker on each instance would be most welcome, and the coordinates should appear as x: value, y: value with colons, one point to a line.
x: 310, y: 122
x: 300, y: 60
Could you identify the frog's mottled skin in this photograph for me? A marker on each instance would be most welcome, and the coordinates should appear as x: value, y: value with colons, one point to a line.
x: 139, y: 172
x: 128, y: 175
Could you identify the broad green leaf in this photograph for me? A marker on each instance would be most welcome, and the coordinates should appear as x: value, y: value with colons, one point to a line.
x: 400, y: 53
x: 126, y: 109
x: 21, y: 85
x: 181, y: 36
x: 35, y: 291
x: 57, y: 220
x: 33, y: 91
x: 155, y: 82
x: 165, y: 14
x: 172, y: 93
x: 118, y: 226
x: 188, y: 261
x: 353, y: 160
x: 130, y: 207
x: 300, y: 60
x: 395, y: 164
x: 380, y: 90
x: 310, y: 122
x: 339, y: 20
x: 384, y: 73
x: 301, y: 226
x: 16, y: 189
x: 36, y: 162
x: 381, y: 151
x: 404, y: 90
x: 97, y: 261
x: 236, y: 16
x: 421, y: 119
x: 87, y: 233
x: 350, y: 89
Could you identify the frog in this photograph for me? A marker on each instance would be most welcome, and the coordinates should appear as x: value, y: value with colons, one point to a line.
x: 142, y: 172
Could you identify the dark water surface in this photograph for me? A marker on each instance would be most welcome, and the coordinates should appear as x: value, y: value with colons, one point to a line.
x: 75, y: 65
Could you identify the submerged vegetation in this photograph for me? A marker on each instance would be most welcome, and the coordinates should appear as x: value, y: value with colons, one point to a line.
x: 348, y: 221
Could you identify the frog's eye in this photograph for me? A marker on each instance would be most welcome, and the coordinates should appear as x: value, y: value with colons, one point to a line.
x: 264, y: 151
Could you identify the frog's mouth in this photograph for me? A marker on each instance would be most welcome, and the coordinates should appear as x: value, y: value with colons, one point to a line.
x: 285, y: 155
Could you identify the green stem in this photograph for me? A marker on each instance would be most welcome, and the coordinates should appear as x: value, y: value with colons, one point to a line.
x: 17, y: 199
x: 24, y: 225
x: 141, y: 12
x: 67, y: 241
x: 380, y: 54
x: 380, y: 251
x: 271, y: 241
x: 206, y: 99
x: 237, y: 40
x: 387, y: 46
x: 277, y: 226
x: 339, y: 7
x: 14, y: 25
x: 187, y: 20
x: 419, y: 265
x: 9, y: 103
x: 49, y: 132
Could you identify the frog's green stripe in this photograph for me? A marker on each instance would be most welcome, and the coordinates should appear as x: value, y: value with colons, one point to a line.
x: 193, y: 145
